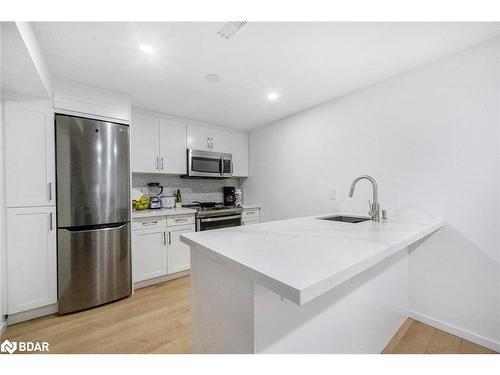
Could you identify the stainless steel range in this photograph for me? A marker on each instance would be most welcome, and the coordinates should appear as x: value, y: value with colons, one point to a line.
x: 212, y: 215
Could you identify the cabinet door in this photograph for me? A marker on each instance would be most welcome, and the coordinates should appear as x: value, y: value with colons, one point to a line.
x: 29, y: 155
x: 31, y: 258
x: 221, y: 141
x: 150, y: 254
x: 198, y: 137
x: 178, y: 252
x: 239, y: 149
x: 173, y: 147
x: 145, y: 144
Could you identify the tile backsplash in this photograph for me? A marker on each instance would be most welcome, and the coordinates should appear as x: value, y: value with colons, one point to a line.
x: 203, y: 190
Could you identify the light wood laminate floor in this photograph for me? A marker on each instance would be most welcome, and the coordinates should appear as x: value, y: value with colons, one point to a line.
x: 157, y: 319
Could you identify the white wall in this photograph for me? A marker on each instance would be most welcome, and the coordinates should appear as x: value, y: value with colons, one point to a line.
x: 431, y: 139
x: 31, y: 42
x: 2, y: 204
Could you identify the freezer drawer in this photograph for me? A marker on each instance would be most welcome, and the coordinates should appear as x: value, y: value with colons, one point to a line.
x: 94, y: 267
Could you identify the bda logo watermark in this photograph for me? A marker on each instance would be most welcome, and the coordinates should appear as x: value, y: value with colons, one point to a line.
x: 8, y: 347
x: 23, y: 346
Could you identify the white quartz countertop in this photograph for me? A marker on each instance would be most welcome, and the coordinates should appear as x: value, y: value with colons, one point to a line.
x: 300, y: 259
x: 162, y: 212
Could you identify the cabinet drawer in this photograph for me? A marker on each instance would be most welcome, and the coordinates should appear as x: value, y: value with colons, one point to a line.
x: 251, y: 213
x: 149, y: 223
x: 180, y: 220
x: 250, y: 221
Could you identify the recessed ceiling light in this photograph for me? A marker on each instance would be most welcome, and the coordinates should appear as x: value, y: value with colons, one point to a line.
x: 213, y: 77
x: 146, y: 48
x: 272, y: 96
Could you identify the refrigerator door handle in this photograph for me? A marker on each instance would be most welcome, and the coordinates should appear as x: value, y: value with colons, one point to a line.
x: 95, y: 229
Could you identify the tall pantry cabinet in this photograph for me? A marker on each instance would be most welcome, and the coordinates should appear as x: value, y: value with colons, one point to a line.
x: 30, y: 206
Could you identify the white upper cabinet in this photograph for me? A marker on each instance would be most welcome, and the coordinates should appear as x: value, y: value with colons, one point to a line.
x: 208, y: 139
x: 173, y: 147
x: 158, y: 144
x: 90, y: 101
x: 31, y: 258
x: 198, y: 137
x: 145, y: 143
x: 239, y: 149
x: 221, y: 141
x: 29, y: 155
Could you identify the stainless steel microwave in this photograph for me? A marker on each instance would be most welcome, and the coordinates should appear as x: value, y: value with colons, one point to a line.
x: 209, y: 164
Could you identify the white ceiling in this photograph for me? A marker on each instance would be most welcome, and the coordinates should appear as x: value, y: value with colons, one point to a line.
x: 307, y: 63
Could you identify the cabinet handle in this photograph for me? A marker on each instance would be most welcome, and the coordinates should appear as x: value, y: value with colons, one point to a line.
x: 211, y: 143
x: 156, y: 163
x: 164, y: 239
x: 146, y: 223
x: 162, y: 163
x: 208, y: 143
x: 170, y: 238
x: 50, y: 191
x: 50, y: 221
x: 180, y: 220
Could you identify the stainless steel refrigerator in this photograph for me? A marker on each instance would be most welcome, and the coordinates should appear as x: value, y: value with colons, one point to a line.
x: 93, y: 212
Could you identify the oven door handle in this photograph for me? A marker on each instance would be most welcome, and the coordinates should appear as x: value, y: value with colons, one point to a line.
x: 221, y: 218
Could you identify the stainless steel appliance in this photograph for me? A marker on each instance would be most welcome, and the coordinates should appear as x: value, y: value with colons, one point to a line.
x: 229, y: 195
x: 167, y: 201
x: 93, y: 212
x: 211, y: 215
x: 154, y: 190
x: 209, y: 164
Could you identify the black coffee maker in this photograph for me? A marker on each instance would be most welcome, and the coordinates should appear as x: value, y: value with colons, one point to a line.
x: 229, y: 197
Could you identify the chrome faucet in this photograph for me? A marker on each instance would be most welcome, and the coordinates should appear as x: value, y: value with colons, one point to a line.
x: 374, y: 205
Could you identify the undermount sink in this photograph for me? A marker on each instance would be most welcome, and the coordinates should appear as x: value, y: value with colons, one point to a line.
x: 345, y: 219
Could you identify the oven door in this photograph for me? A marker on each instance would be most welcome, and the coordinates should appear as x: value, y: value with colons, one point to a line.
x: 218, y: 222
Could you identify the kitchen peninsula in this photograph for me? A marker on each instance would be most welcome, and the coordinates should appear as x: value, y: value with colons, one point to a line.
x: 301, y: 285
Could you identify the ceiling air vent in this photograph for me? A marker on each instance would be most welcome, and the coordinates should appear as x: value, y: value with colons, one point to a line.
x: 230, y: 28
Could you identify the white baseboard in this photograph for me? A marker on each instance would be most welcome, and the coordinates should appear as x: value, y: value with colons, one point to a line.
x: 454, y: 330
x: 3, y: 326
x: 32, y: 314
x: 161, y: 279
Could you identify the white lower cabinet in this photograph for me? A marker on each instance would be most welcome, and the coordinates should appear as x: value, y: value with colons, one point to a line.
x: 150, y: 250
x: 178, y: 252
x: 250, y: 216
x: 31, y: 258
x: 157, y: 249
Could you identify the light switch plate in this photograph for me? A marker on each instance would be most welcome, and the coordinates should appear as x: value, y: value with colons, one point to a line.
x: 333, y: 194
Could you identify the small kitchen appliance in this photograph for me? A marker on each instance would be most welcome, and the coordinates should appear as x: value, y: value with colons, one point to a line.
x: 154, y: 190
x: 229, y: 197
x: 167, y: 201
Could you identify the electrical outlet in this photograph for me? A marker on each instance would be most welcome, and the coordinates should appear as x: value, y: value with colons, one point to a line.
x: 333, y: 194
